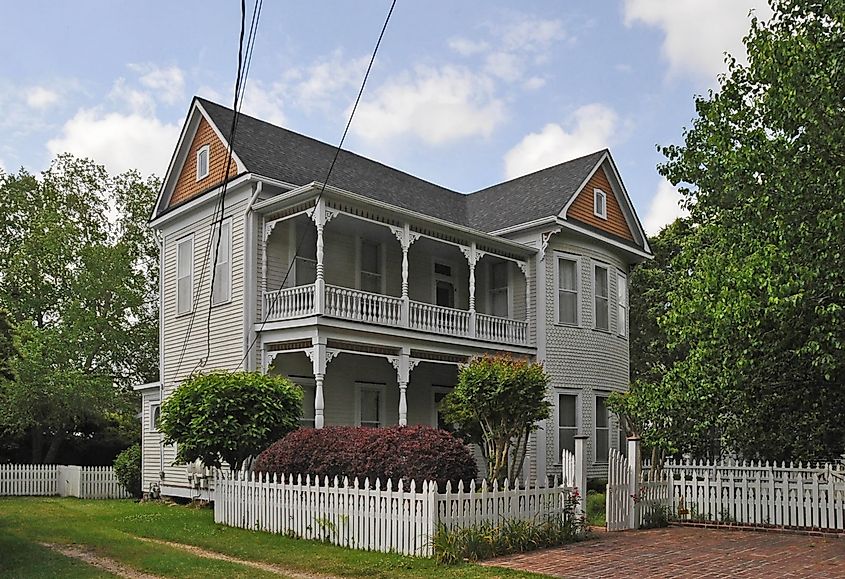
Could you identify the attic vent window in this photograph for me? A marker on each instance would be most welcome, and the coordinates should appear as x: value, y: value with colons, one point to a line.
x: 600, y: 203
x: 202, y: 162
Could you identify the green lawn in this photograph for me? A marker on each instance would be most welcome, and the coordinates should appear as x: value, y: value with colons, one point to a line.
x: 112, y: 529
x: 595, y: 509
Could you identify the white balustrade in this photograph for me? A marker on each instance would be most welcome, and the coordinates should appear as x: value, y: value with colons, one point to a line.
x: 360, y: 306
x: 292, y: 302
x: 503, y: 330
x: 439, y: 320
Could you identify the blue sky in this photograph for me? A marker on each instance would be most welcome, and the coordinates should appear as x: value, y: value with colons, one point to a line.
x: 464, y: 94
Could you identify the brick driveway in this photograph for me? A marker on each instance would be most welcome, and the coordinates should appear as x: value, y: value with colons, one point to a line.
x: 689, y: 552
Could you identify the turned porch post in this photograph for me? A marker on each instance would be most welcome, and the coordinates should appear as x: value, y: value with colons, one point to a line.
x: 318, y: 360
x: 471, y: 255
x: 319, y: 218
x: 403, y: 365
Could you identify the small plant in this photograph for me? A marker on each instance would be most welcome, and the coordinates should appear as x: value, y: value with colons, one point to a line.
x: 726, y: 517
x: 127, y: 469
x: 596, y: 511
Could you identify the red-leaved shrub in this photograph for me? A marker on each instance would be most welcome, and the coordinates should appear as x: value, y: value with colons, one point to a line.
x: 406, y: 453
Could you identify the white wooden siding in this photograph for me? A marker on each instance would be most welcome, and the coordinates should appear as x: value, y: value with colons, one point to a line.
x: 150, y: 443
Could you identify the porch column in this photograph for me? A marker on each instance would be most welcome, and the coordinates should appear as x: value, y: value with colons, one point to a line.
x: 402, y: 364
x: 318, y: 361
x: 406, y: 239
x: 471, y: 254
x: 319, y: 218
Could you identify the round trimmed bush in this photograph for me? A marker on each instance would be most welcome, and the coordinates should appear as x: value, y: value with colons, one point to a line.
x: 127, y: 469
x: 419, y: 453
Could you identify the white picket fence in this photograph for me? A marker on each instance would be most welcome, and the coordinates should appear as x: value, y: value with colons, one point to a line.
x: 619, y: 500
x: 761, y: 494
x: 389, y: 518
x: 86, y: 482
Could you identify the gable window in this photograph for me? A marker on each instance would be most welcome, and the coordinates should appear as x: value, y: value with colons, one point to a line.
x: 371, y: 267
x: 499, y: 301
x: 567, y: 290
x: 184, y: 275
x: 202, y: 162
x: 155, y: 416
x: 444, y: 285
x: 222, y: 290
x: 602, y: 306
x: 567, y: 422
x: 602, y: 430
x: 369, y: 404
x: 622, y: 304
x: 600, y: 203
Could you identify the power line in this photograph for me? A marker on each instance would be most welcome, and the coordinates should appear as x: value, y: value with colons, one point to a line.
x: 329, y: 173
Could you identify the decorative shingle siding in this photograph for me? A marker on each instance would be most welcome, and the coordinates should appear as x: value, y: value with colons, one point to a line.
x: 187, y: 187
x: 582, y: 358
x: 582, y: 208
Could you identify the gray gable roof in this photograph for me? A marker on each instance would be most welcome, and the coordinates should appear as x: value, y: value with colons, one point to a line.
x: 271, y: 151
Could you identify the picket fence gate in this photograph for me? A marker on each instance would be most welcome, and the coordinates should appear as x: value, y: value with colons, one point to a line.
x: 85, y: 482
x: 387, y: 517
x: 635, y: 497
x: 760, y: 494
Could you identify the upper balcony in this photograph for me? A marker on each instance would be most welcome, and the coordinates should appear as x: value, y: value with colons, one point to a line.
x: 356, y: 268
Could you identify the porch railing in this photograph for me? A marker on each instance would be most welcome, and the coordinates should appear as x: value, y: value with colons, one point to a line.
x: 360, y: 306
x: 437, y: 319
x: 497, y: 329
x: 292, y: 302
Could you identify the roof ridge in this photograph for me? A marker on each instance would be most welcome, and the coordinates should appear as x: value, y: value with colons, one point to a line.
x: 540, y: 171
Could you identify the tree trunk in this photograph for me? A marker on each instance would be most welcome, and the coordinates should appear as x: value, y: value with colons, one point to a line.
x: 37, y: 446
x: 53, y: 451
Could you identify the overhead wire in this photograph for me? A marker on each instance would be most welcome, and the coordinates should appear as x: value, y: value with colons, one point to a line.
x: 337, y: 151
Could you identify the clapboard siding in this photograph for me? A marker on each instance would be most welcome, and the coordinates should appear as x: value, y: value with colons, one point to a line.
x: 226, y: 327
x: 150, y: 443
x: 582, y: 208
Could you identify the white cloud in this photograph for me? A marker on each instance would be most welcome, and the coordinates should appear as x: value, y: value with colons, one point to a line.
x: 531, y: 34
x: 590, y: 128
x: 664, y: 208
x: 436, y: 105
x: 119, y: 141
x: 39, y: 97
x: 321, y: 83
x: 534, y: 83
x: 467, y: 47
x: 504, y: 65
x: 697, y: 33
x: 167, y: 83
x: 264, y: 102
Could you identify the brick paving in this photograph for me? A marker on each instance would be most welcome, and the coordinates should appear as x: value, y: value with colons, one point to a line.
x: 688, y: 552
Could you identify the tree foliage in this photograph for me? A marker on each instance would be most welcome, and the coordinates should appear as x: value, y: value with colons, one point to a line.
x: 127, y: 469
x: 229, y: 416
x: 79, y: 277
x: 757, y: 305
x: 498, y: 401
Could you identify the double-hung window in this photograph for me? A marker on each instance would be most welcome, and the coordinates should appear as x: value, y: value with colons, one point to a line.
x: 444, y: 285
x: 370, y: 404
x: 567, y: 422
x: 184, y: 275
x: 155, y: 416
x: 202, y: 162
x: 499, y: 300
x: 602, y: 297
x: 602, y: 439
x: 371, y: 266
x: 622, y: 304
x: 567, y: 290
x: 222, y: 290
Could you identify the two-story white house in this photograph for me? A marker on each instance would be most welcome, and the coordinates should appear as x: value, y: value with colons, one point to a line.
x: 373, y: 292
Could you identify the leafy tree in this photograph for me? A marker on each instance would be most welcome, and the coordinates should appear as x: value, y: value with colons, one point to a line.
x: 7, y: 347
x: 229, y: 416
x: 501, y: 399
x: 78, y: 276
x: 757, y: 308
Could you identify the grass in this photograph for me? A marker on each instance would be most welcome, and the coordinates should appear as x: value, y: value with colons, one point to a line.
x: 112, y: 529
x: 595, y: 509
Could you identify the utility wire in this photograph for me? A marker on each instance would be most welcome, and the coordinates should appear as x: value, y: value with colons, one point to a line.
x: 328, y: 174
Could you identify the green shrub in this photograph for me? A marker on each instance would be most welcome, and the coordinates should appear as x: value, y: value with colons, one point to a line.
x: 127, y: 469
x: 596, y: 512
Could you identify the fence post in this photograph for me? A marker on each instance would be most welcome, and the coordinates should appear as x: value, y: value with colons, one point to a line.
x: 581, y: 474
x: 635, y: 466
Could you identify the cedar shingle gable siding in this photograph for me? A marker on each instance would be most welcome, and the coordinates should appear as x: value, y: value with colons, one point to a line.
x: 187, y: 186
x: 582, y: 208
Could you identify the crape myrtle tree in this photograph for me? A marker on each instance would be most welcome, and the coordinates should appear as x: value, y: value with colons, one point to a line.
x: 497, y: 403
x: 79, y: 280
x: 757, y: 305
x: 228, y: 417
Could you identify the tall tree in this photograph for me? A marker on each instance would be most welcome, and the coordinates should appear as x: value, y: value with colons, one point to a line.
x: 78, y: 276
x: 759, y: 285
